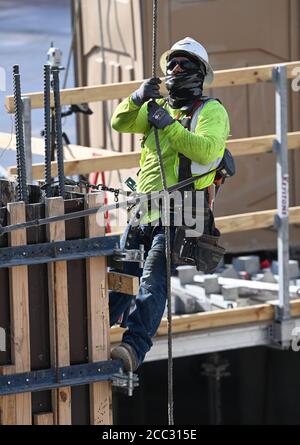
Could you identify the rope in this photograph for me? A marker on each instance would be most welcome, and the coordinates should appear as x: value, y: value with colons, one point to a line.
x: 167, y: 230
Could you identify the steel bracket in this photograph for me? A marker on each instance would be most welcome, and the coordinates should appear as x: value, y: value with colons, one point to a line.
x: 75, y: 375
x: 281, y: 330
x: 280, y: 333
x: 57, y: 251
x: 276, y: 147
x: 275, y: 73
x: 131, y: 255
x: 277, y: 221
x: 126, y: 382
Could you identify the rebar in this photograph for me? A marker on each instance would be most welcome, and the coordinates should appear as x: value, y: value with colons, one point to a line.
x: 47, y: 128
x: 58, y: 133
x: 20, y: 144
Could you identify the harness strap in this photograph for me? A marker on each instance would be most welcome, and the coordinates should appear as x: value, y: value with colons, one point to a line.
x: 184, y: 169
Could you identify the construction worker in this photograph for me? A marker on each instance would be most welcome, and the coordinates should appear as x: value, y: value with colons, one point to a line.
x: 185, y: 152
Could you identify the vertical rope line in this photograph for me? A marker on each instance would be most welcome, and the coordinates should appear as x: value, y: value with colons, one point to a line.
x: 167, y: 229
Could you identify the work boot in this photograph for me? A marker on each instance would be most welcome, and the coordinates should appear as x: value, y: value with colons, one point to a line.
x: 127, y: 354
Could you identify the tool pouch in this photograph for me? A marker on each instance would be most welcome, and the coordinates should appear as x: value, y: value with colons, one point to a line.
x: 202, y: 252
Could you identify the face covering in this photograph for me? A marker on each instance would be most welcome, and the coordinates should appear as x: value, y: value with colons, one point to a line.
x: 185, y: 87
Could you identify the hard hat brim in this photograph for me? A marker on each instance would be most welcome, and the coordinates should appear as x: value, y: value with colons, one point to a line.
x: 210, y: 72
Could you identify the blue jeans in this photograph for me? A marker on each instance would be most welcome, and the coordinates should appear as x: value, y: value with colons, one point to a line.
x: 144, y: 319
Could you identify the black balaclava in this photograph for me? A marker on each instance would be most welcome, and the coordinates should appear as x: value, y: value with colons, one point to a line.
x: 184, y: 88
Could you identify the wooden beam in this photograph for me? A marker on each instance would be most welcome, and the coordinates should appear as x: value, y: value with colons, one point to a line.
x: 263, y: 219
x: 260, y: 144
x: 98, y: 317
x: 254, y: 220
x: 216, y: 319
x: 115, y: 160
x: 59, y: 314
x: 88, y: 165
x: 19, y: 313
x: 71, y: 151
x: 126, y: 284
x: 8, y: 403
x: 251, y: 75
x: 80, y: 95
x: 44, y: 419
x: 110, y: 161
x: 97, y: 93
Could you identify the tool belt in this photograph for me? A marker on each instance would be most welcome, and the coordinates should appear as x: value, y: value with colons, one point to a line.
x: 202, y: 252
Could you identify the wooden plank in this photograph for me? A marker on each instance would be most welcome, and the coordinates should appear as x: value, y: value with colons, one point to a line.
x: 71, y: 151
x: 253, y: 220
x: 120, y: 282
x: 8, y: 403
x: 88, y: 165
x: 250, y: 75
x: 260, y: 144
x: 263, y: 219
x: 98, y: 317
x: 97, y: 93
x: 44, y: 419
x: 118, y: 161
x: 215, y: 319
x: 19, y: 313
x: 78, y: 95
x: 59, y: 314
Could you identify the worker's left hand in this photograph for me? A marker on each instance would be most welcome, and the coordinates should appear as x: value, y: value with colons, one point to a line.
x: 158, y: 116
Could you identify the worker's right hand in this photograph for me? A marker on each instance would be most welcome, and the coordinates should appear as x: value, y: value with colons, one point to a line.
x: 148, y: 90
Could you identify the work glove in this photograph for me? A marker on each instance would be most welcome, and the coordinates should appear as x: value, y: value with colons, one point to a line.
x: 158, y: 116
x: 148, y: 90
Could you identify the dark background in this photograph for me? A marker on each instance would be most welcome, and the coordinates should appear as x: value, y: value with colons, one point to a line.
x: 263, y: 388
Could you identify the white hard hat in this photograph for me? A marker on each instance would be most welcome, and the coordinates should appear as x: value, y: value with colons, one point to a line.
x: 190, y: 46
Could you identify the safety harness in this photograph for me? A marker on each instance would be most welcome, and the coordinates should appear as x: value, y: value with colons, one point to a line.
x: 224, y: 169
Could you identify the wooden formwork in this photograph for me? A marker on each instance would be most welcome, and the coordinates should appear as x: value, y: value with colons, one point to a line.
x: 55, y: 315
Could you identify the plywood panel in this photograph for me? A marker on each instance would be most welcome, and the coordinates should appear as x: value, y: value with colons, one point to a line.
x: 59, y: 314
x: 98, y: 318
x: 19, y: 310
x: 234, y: 25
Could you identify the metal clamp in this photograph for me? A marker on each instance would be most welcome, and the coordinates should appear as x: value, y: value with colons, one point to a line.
x: 281, y: 330
x: 126, y: 382
x: 280, y: 333
x: 74, y: 375
x: 57, y: 251
x: 131, y: 255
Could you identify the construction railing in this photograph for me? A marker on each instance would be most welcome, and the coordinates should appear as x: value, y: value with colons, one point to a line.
x: 97, y: 93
